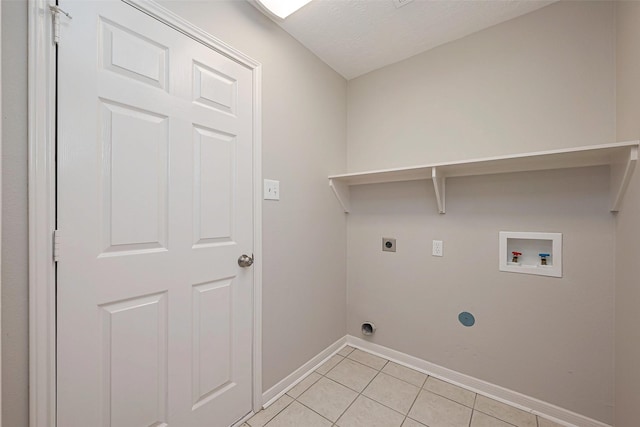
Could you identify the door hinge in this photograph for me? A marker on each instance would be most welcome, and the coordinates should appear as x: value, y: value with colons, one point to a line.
x: 56, y: 11
x: 56, y: 245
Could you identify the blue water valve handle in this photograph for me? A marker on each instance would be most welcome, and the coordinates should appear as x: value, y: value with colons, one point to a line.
x: 544, y: 255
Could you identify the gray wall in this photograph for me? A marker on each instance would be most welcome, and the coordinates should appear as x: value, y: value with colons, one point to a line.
x: 627, y: 374
x: 15, y: 307
x: 541, y: 81
x: 544, y: 80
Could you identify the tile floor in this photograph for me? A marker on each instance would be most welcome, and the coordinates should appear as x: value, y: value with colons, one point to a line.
x: 358, y: 389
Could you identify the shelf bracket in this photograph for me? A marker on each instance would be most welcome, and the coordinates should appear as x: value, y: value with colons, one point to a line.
x: 438, y: 185
x: 621, y: 173
x: 341, y: 190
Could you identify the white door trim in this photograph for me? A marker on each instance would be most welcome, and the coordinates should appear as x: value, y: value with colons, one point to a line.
x: 0, y: 213
x: 42, y: 345
x: 42, y: 86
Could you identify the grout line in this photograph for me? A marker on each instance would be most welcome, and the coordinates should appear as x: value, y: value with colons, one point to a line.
x: 491, y: 416
x: 386, y: 406
x: 454, y: 401
x: 423, y: 382
x: 323, y: 376
x: 350, y: 404
x: 360, y: 363
x: 277, y: 413
x: 301, y: 393
x: 400, y: 379
x: 355, y: 361
x: 415, y: 399
x: 368, y: 366
x: 473, y: 409
x: 343, y: 412
x: 313, y: 410
x: 500, y: 419
x: 341, y: 359
x: 403, y: 380
x: 347, y: 355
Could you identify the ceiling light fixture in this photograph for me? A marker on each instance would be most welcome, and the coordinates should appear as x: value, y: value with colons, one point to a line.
x: 282, y: 8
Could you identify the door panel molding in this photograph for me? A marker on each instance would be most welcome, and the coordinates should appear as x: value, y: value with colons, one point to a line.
x: 42, y: 208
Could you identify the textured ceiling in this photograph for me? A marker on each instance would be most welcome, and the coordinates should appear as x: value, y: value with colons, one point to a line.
x: 358, y: 36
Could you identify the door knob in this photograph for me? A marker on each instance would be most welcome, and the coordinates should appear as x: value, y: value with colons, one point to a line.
x: 245, y: 261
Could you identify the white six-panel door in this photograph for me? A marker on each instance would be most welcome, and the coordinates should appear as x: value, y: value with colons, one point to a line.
x: 154, y: 209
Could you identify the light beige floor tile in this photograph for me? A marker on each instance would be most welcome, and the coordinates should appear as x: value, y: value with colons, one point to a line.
x: 409, y: 375
x: 367, y: 413
x: 352, y: 374
x: 547, y: 423
x: 328, y: 398
x: 483, y: 420
x: 264, y: 416
x: 450, y: 391
x: 392, y: 392
x: 303, y: 385
x: 326, y: 366
x: 412, y: 423
x: 437, y: 411
x: 367, y: 359
x: 296, y: 415
x: 505, y: 412
x: 346, y: 351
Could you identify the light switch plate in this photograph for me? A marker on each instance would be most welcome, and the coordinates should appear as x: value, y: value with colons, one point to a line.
x: 271, y: 189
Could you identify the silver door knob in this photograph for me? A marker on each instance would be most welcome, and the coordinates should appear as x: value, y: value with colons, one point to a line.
x: 245, y: 261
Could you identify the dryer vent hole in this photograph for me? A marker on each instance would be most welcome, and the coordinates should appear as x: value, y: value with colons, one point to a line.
x: 368, y: 328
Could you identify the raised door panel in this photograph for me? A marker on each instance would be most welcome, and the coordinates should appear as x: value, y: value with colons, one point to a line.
x: 133, y: 56
x: 134, y: 179
x: 215, y: 186
x: 212, y: 340
x: 134, y: 362
x: 214, y: 89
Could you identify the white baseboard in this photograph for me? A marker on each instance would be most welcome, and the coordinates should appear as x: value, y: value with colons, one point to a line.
x: 241, y: 420
x: 274, y: 393
x: 513, y: 398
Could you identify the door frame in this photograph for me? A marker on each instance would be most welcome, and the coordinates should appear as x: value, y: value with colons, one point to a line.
x: 42, y: 203
x: 0, y: 211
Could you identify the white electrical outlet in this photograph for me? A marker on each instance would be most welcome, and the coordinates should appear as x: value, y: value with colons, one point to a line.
x: 437, y: 248
x: 271, y: 189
